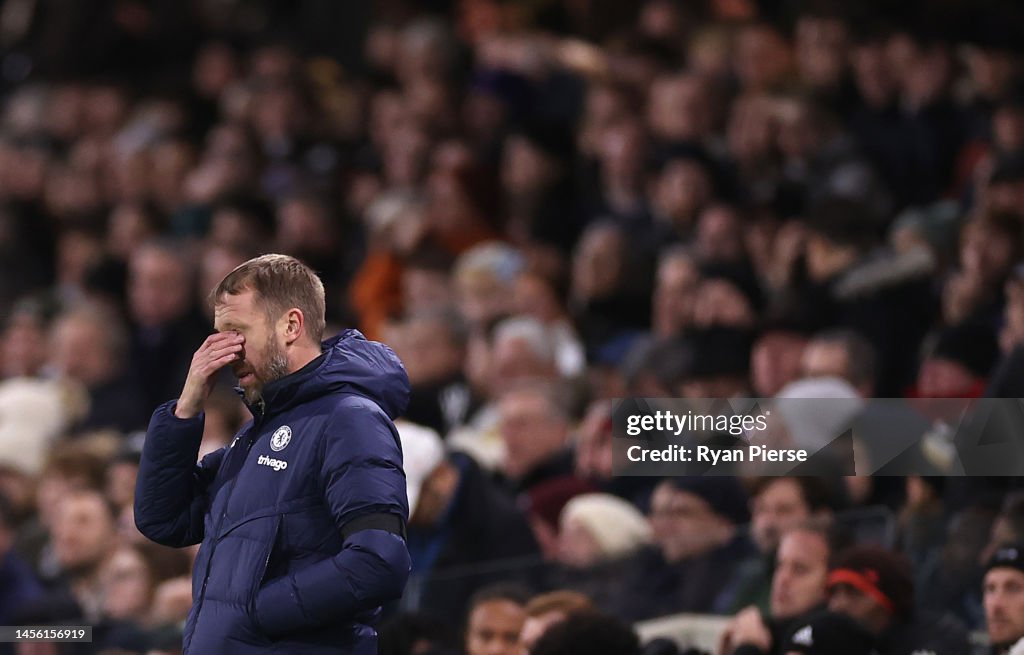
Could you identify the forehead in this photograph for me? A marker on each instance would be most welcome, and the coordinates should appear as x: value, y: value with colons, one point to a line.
x: 778, y: 491
x: 497, y: 611
x: 234, y: 310
x: 1004, y: 575
x: 803, y: 545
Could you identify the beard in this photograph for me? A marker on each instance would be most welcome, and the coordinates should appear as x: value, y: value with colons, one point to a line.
x: 274, y: 367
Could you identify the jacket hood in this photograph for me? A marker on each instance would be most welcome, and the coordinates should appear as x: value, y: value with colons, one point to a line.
x: 350, y: 363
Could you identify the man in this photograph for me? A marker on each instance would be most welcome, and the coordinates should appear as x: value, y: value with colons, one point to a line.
x: 875, y: 587
x: 843, y: 354
x: 84, y: 536
x: 797, y: 592
x: 89, y: 345
x: 777, y: 504
x: 696, y: 541
x: 535, y: 432
x: 165, y: 325
x: 302, y: 518
x: 463, y: 534
x: 1004, y: 599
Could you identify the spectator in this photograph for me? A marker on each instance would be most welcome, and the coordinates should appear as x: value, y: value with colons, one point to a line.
x: 462, y: 527
x: 798, y: 591
x: 1003, y: 588
x: 874, y: 586
x: 494, y: 621
x: 776, y: 506
x: 843, y: 354
x: 166, y: 329
x: 90, y: 346
x: 84, y: 534
x: 432, y: 347
x: 695, y: 547
x: 535, y: 432
x: 597, y: 533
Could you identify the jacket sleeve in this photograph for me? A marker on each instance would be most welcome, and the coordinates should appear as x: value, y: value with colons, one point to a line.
x: 170, y: 491
x: 362, y: 474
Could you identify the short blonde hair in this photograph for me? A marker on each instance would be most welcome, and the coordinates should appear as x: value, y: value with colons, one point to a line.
x: 280, y: 282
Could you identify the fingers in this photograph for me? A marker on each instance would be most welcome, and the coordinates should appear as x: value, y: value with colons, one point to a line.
x: 220, y: 339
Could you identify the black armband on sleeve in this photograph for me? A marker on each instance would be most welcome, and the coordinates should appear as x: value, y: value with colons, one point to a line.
x: 392, y: 523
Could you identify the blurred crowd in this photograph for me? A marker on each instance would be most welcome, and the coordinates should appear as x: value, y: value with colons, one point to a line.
x: 541, y: 205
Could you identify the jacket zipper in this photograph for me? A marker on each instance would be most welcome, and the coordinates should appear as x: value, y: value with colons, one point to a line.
x: 258, y: 423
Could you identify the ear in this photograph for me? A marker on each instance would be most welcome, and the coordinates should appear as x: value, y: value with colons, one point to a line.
x: 294, y: 325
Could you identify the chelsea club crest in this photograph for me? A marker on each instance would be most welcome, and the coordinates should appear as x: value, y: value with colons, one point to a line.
x: 281, y: 437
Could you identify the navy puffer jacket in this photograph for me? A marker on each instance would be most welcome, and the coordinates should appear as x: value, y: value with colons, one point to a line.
x: 301, y: 519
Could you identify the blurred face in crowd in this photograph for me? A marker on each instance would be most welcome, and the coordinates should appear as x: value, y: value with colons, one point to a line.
x: 1004, y: 605
x: 514, y: 360
x: 683, y: 524
x: 821, y: 50
x: 77, y: 253
x: 525, y: 170
x: 719, y: 302
x: 128, y: 585
x: 763, y: 57
x: 719, y: 234
x: 577, y: 546
x: 23, y: 346
x: 425, y: 289
x: 429, y: 350
x: 531, y: 429
x: 594, y: 444
x: 604, y: 107
x: 493, y: 628
x: 264, y: 359
x: 679, y: 191
x: 986, y: 252
x: 679, y: 108
x: 675, y: 293
x: 1008, y: 128
x: 82, y: 350
x: 871, y: 71
x: 775, y: 362
x: 214, y: 70
x: 775, y: 510
x: 598, y: 263
x: 801, y: 571
x: 481, y: 296
x: 121, y: 482
x: 534, y: 296
x: 944, y: 378
x: 622, y: 152
x: 304, y: 227
x: 159, y: 289
x: 130, y: 227
x: 848, y: 600
x: 83, y: 532
x: 825, y: 359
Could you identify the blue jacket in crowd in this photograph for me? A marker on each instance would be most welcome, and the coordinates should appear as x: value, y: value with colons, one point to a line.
x: 301, y: 519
